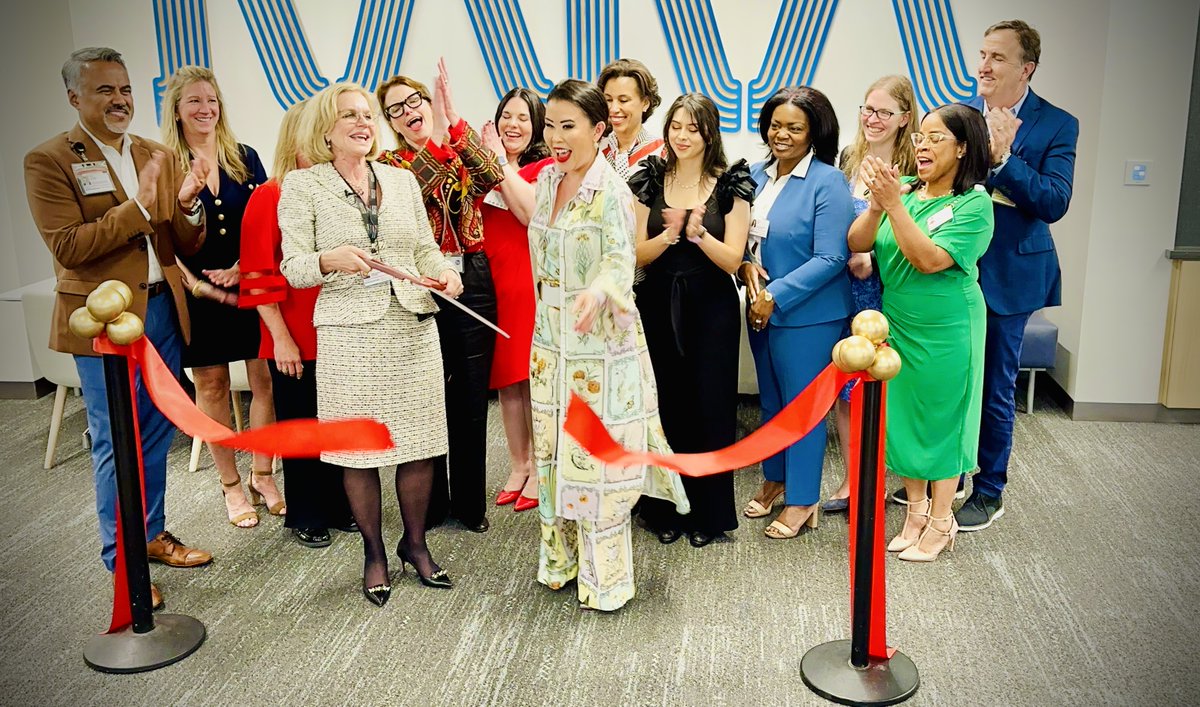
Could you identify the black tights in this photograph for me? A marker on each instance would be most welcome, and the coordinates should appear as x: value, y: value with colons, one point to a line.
x: 414, y: 482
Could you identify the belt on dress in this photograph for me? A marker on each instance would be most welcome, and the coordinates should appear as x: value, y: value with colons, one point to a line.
x: 157, y: 288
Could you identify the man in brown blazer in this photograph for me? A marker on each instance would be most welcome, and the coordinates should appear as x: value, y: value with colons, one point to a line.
x: 115, y: 206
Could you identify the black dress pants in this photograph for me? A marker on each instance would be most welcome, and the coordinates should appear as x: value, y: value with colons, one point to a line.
x: 467, y: 350
x: 313, y: 489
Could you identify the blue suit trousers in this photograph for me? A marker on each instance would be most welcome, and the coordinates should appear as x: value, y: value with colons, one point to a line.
x: 787, y: 359
x: 1001, y: 358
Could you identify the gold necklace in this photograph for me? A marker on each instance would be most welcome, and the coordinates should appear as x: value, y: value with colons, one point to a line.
x: 924, y: 195
x: 675, y: 183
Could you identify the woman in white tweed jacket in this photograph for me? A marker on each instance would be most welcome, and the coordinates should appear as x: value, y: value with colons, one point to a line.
x: 377, y: 341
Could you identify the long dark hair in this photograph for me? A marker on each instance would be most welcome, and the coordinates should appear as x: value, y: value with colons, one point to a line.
x: 822, y: 120
x: 969, y: 128
x: 708, y: 121
x: 587, y: 96
x: 536, y: 149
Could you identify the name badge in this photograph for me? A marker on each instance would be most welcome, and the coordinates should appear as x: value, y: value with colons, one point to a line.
x: 941, y: 217
x: 456, y: 262
x: 759, y: 227
x: 93, y: 177
x: 377, y: 278
x: 495, y: 198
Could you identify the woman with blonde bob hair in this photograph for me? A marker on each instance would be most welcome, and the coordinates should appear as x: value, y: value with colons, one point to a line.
x: 195, y: 127
x: 377, y: 340
x: 316, y: 498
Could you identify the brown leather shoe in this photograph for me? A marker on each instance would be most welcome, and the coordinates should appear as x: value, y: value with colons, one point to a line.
x: 167, y: 549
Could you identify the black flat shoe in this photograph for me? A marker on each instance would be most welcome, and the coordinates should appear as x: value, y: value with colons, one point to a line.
x: 668, y: 536
x: 312, y: 537
x: 700, y: 539
x: 480, y: 526
x: 378, y: 595
x: 437, y: 580
x: 350, y: 527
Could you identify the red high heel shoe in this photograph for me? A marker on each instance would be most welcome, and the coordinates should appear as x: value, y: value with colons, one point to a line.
x: 524, y: 503
x: 506, y: 497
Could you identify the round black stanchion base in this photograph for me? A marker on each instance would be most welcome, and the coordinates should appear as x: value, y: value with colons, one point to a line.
x: 827, y: 671
x: 173, y: 638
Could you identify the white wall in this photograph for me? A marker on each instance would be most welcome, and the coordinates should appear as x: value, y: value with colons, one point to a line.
x: 1122, y: 67
x: 1144, y: 116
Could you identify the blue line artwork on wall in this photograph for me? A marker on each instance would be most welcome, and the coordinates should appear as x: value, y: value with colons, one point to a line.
x: 593, y: 37
x: 934, y: 55
x: 181, y: 28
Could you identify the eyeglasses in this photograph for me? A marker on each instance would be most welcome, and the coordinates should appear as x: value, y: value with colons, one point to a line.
x: 397, y: 109
x: 355, y: 116
x: 883, y: 114
x: 919, y: 139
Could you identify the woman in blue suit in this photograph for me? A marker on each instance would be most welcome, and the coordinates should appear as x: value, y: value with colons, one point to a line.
x: 797, y: 293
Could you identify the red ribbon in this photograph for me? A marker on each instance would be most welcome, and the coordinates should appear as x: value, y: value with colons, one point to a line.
x: 290, y: 438
x: 794, y: 421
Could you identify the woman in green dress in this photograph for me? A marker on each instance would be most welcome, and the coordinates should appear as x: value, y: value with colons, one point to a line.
x: 928, y: 241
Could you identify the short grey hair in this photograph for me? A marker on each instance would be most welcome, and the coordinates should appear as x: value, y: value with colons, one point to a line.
x: 73, y: 67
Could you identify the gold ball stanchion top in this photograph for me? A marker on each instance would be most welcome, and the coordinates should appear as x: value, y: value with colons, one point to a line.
x: 105, y: 312
x: 863, y: 350
x: 84, y: 325
x: 126, y: 292
x: 106, y: 303
x: 871, y: 324
x: 886, y: 364
x: 125, y: 329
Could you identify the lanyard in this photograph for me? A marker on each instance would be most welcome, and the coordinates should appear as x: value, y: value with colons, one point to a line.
x: 369, y: 209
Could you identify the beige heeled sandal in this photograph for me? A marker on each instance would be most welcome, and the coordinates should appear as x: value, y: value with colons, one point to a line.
x: 916, y: 554
x: 780, y: 531
x: 279, y: 508
x: 754, y: 509
x: 237, y: 520
x: 901, y: 543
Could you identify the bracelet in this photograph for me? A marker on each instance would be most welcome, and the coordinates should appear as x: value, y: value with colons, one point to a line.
x: 196, y: 289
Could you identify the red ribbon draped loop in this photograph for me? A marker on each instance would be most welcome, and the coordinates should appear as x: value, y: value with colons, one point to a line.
x: 797, y: 419
x: 291, y: 438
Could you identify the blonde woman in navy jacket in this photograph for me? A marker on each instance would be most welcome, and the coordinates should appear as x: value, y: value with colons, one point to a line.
x: 796, y: 288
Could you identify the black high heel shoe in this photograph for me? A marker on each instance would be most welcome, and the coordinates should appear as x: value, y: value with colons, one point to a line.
x: 437, y: 580
x: 378, y: 595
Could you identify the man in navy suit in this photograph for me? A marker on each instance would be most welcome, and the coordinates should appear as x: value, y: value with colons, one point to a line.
x: 1033, y: 166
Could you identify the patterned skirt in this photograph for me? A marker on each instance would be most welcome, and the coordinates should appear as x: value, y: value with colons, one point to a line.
x: 389, y: 370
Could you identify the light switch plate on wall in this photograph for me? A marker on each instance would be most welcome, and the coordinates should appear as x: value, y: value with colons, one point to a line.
x: 1137, y: 173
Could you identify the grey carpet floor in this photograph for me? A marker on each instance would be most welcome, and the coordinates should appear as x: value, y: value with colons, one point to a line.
x: 1083, y: 594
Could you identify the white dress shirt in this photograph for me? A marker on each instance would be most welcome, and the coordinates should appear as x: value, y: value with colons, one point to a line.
x: 122, y: 164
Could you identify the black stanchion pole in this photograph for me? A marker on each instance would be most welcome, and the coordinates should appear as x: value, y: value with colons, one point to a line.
x: 844, y: 671
x: 147, y: 644
x: 864, y: 557
x: 129, y: 491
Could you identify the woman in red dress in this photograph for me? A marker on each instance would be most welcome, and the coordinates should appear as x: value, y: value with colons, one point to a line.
x: 315, y: 495
x: 516, y: 139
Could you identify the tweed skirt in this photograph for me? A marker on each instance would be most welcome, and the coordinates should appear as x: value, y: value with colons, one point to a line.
x: 389, y: 370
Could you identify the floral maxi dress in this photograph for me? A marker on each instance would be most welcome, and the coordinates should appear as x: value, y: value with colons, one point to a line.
x: 583, y: 503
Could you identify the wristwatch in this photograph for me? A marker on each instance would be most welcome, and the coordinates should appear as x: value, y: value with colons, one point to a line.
x: 502, y: 159
x: 767, y: 296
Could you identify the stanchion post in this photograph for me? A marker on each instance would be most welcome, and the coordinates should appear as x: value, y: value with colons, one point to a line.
x: 864, y: 557
x: 844, y: 670
x: 147, y: 644
x: 129, y: 491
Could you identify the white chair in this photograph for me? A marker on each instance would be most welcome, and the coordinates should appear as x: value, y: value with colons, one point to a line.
x: 239, y: 382
x: 747, y: 376
x: 56, y: 367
